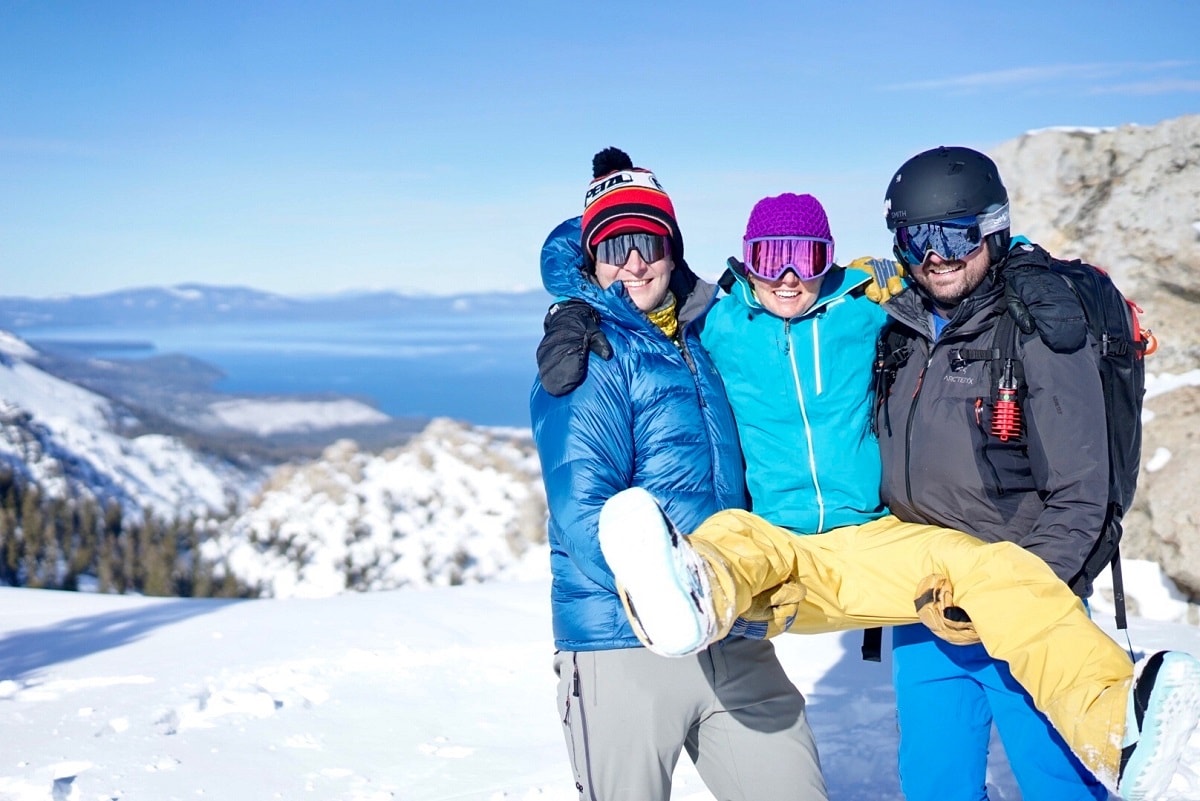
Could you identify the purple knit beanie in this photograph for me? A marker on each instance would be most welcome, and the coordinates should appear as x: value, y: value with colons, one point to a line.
x: 789, y: 215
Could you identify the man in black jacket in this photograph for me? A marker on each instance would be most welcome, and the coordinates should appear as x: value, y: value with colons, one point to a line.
x: 955, y: 455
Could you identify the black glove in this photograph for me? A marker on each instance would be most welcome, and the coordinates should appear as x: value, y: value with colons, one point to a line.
x: 1037, y: 297
x: 572, y: 329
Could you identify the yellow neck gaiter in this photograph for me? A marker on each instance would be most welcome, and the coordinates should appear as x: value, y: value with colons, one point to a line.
x: 664, y: 317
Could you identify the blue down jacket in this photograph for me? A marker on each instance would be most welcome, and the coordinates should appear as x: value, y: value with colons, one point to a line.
x: 653, y: 416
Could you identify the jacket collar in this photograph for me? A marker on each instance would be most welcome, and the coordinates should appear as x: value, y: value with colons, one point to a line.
x: 914, y: 309
x: 838, y: 283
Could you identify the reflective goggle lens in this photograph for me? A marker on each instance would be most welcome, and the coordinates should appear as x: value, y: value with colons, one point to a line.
x: 615, y: 250
x: 769, y: 258
x: 953, y: 240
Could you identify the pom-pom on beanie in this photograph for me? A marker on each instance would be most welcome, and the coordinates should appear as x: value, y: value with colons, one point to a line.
x: 624, y: 199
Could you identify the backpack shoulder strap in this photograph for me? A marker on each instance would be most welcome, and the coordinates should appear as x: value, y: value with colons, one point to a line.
x: 1004, y: 352
x: 892, y: 349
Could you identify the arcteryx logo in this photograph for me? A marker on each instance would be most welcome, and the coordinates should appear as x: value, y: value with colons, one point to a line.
x: 621, y: 180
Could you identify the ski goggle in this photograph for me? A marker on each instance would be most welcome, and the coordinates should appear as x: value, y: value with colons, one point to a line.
x: 615, y: 250
x: 769, y: 257
x: 953, y: 239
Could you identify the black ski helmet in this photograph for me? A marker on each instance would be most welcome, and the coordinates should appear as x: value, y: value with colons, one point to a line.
x: 948, y: 182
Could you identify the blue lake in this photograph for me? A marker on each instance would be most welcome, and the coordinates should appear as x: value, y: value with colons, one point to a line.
x: 477, y: 368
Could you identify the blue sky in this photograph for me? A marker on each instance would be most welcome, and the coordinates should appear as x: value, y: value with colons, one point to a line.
x: 305, y: 147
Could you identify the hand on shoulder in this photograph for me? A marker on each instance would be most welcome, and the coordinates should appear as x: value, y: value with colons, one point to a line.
x: 887, y: 277
x: 1038, y: 298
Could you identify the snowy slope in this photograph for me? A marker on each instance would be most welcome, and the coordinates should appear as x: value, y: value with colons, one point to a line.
x: 266, y: 417
x: 413, y: 695
x: 67, y: 439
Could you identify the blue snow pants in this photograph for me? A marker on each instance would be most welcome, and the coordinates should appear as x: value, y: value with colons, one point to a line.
x: 947, y: 697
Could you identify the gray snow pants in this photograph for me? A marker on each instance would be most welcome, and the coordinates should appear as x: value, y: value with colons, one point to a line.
x: 628, y: 713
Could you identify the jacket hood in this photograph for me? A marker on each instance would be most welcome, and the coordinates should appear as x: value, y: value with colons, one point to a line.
x: 562, y: 262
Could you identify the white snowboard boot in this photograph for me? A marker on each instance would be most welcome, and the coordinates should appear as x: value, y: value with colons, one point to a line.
x: 1164, y: 707
x: 664, y: 583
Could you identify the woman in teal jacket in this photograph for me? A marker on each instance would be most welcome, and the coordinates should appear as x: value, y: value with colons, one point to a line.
x: 791, y: 349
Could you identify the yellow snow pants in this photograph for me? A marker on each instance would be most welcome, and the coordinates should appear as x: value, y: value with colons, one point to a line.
x: 864, y: 576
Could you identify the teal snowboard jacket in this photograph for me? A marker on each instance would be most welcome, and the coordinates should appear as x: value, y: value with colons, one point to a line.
x: 801, y: 396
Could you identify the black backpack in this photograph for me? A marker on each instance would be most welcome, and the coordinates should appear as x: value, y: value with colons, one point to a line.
x: 1121, y: 345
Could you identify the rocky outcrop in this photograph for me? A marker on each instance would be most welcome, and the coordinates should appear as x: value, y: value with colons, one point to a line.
x: 1128, y: 199
x: 1165, y: 524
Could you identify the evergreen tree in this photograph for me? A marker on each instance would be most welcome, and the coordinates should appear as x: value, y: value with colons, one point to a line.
x: 8, y: 538
x: 49, y: 559
x: 52, y: 542
x: 83, y: 553
x: 155, y: 557
x: 199, y: 571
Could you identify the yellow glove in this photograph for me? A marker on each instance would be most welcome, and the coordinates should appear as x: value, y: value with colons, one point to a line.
x: 771, y: 612
x: 936, y: 609
x: 887, y: 277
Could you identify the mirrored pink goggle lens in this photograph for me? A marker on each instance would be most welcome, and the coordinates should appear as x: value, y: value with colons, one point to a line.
x: 769, y: 259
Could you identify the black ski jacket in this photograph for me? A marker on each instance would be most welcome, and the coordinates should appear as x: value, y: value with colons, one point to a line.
x: 1047, y: 490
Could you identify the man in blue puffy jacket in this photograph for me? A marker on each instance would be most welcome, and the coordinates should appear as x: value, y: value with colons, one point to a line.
x: 655, y: 415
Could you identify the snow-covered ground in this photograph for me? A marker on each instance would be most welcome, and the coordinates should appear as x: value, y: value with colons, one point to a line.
x: 415, y: 694
x: 1162, y: 383
x: 267, y: 417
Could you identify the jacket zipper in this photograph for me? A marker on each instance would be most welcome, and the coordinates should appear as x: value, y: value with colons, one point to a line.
x: 984, y: 451
x: 817, y: 353
x: 812, y: 457
x: 713, y: 459
x: 908, y: 431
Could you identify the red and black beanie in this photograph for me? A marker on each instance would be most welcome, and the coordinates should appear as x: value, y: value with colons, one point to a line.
x: 624, y: 199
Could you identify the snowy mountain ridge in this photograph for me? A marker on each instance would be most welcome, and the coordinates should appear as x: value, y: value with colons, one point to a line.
x: 455, y: 505
x: 67, y: 440
x: 192, y: 304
